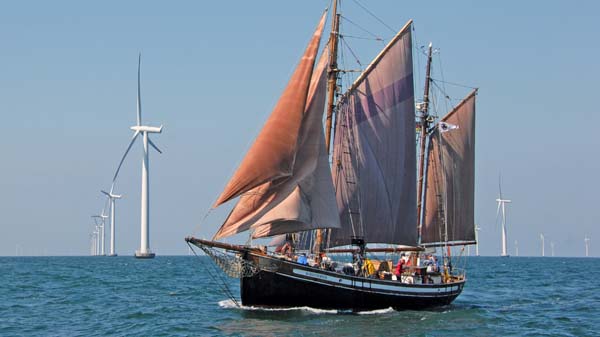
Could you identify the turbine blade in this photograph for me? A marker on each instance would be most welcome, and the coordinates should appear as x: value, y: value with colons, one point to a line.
x: 500, y: 184
x: 125, y: 155
x: 154, y: 145
x: 139, y: 99
x: 106, y: 193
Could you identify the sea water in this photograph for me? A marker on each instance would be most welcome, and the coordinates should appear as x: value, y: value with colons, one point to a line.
x: 183, y: 296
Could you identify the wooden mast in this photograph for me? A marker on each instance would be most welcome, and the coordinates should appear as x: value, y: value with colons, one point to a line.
x: 332, y: 74
x: 423, y: 136
x: 331, y: 90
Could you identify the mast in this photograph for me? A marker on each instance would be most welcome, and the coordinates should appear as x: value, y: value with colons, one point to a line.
x: 332, y: 74
x: 423, y: 136
x: 331, y: 89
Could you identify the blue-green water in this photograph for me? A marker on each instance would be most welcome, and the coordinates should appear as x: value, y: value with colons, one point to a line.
x: 104, y: 296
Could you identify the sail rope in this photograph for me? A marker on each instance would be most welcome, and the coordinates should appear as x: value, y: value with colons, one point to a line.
x: 216, y: 278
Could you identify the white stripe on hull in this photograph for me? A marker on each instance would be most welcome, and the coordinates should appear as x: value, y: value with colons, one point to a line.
x: 398, y: 290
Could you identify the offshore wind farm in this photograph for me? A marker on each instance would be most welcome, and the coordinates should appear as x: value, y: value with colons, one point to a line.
x: 110, y: 101
x: 381, y: 103
x: 143, y: 131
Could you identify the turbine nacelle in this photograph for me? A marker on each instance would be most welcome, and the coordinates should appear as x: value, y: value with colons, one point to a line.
x: 111, y: 195
x: 102, y: 217
x: 148, y: 129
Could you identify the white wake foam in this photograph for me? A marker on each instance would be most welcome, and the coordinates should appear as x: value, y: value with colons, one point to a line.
x: 230, y: 304
x: 376, y: 312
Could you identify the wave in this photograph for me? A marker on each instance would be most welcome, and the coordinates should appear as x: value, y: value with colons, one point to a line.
x: 230, y: 304
x: 377, y: 312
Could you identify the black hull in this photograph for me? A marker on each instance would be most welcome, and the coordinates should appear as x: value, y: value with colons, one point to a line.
x: 281, y: 283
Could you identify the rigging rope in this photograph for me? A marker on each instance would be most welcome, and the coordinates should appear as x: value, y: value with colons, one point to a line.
x: 443, y: 83
x: 351, y: 51
x: 362, y: 38
x: 375, y: 36
x: 374, y: 16
x: 455, y: 84
x: 197, y: 227
x: 215, y: 278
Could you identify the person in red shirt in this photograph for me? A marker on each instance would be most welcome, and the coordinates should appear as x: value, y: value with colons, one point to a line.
x: 399, y: 266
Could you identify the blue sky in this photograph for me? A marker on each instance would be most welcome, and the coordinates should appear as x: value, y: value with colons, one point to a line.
x: 212, y: 71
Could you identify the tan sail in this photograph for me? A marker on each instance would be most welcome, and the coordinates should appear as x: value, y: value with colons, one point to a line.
x: 450, y: 190
x: 272, y: 155
x: 306, y: 199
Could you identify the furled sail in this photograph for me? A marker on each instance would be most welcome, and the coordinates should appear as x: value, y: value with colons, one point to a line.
x: 450, y: 189
x: 374, y: 151
x: 303, y: 200
x: 272, y: 155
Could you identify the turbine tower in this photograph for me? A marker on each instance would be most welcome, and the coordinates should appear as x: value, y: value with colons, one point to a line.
x: 542, y: 238
x: 516, y: 248
x: 552, y: 248
x: 96, y: 240
x: 112, y: 197
x: 144, y: 251
x: 587, y: 246
x: 502, y: 205
x: 477, y: 229
x: 92, y: 241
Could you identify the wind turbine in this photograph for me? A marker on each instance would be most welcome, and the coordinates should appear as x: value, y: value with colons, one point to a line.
x: 552, y: 247
x: 112, y: 197
x: 101, y: 226
x: 99, y: 234
x: 587, y: 246
x: 96, y: 240
x: 144, y: 251
x: 516, y: 248
x: 92, y: 244
x: 542, y: 238
x: 502, y: 205
x: 477, y: 229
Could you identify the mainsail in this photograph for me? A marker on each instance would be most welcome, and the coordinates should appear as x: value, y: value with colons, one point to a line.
x: 450, y: 188
x: 374, y: 151
x: 300, y: 196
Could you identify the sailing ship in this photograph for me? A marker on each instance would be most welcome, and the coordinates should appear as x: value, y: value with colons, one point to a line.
x: 372, y: 199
